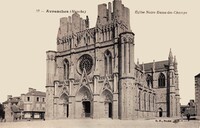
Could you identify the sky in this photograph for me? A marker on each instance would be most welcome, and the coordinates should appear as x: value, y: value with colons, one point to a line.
x: 26, y: 35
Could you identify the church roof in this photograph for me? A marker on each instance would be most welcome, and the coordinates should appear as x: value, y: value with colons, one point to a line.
x: 158, y: 65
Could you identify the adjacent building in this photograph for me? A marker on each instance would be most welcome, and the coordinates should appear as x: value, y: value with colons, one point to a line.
x: 93, y: 73
x: 190, y: 108
x: 13, y: 108
x: 34, y: 104
x: 28, y: 106
x: 197, y: 93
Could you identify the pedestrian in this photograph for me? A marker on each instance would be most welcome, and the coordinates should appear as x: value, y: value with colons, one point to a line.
x: 188, y: 117
x: 181, y: 116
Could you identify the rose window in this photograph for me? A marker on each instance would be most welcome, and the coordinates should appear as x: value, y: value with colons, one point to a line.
x: 85, y: 62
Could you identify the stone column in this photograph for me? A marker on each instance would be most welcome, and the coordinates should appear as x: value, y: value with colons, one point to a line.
x: 55, y: 107
x: 115, y: 97
x: 51, y: 71
x: 127, y: 87
x: 72, y: 107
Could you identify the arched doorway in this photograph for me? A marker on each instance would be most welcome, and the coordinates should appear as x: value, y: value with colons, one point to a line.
x: 110, y: 110
x: 86, y: 108
x: 107, y: 102
x: 64, y: 106
x: 160, y: 112
x: 83, y: 103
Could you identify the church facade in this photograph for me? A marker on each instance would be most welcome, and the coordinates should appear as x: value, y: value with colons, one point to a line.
x: 93, y: 73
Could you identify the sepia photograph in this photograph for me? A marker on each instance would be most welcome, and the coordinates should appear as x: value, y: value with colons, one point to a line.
x: 108, y: 63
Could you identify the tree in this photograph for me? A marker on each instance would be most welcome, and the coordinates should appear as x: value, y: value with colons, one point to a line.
x: 2, y: 112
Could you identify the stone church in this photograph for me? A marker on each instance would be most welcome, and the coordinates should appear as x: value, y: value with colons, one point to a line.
x: 93, y: 73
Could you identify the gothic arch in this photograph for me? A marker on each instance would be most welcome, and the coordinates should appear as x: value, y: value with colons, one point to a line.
x: 149, y: 102
x: 65, y: 69
x: 83, y: 105
x: 63, y: 105
x: 108, y: 62
x: 145, y: 100
x: 106, y: 103
x: 160, y: 112
x: 161, y: 80
x: 149, y: 80
x: 84, y: 93
x: 64, y: 97
x: 106, y: 85
x: 153, y: 102
x: 106, y: 96
x: 84, y: 40
x: 139, y: 100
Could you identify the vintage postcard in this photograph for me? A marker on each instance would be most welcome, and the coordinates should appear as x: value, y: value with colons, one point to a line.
x: 108, y: 63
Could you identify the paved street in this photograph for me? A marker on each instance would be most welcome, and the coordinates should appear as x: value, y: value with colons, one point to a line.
x: 101, y: 123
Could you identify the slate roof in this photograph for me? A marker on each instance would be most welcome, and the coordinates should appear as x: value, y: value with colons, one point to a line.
x: 159, y: 65
x: 13, y: 100
x: 36, y: 93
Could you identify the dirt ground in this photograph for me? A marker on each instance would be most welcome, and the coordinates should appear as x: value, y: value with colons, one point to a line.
x: 102, y: 123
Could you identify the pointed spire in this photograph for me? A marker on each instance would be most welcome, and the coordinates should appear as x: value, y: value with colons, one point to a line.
x: 138, y: 63
x: 175, y: 61
x: 170, y: 58
x: 154, y: 67
x: 98, y: 21
x: 170, y: 53
x: 143, y: 70
x: 109, y: 12
x: 175, y: 64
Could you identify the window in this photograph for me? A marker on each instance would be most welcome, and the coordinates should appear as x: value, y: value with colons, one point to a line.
x: 161, y: 80
x: 84, y: 40
x: 149, y: 80
x: 85, y: 63
x: 43, y: 100
x: 153, y: 102
x: 38, y: 99
x: 149, y: 102
x: 66, y: 69
x: 28, y: 98
x: 108, y: 62
x: 139, y: 99
x: 88, y: 39
x: 144, y: 101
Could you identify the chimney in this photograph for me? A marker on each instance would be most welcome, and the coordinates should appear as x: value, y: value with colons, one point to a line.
x: 30, y: 89
x: 23, y: 97
x: 9, y: 97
